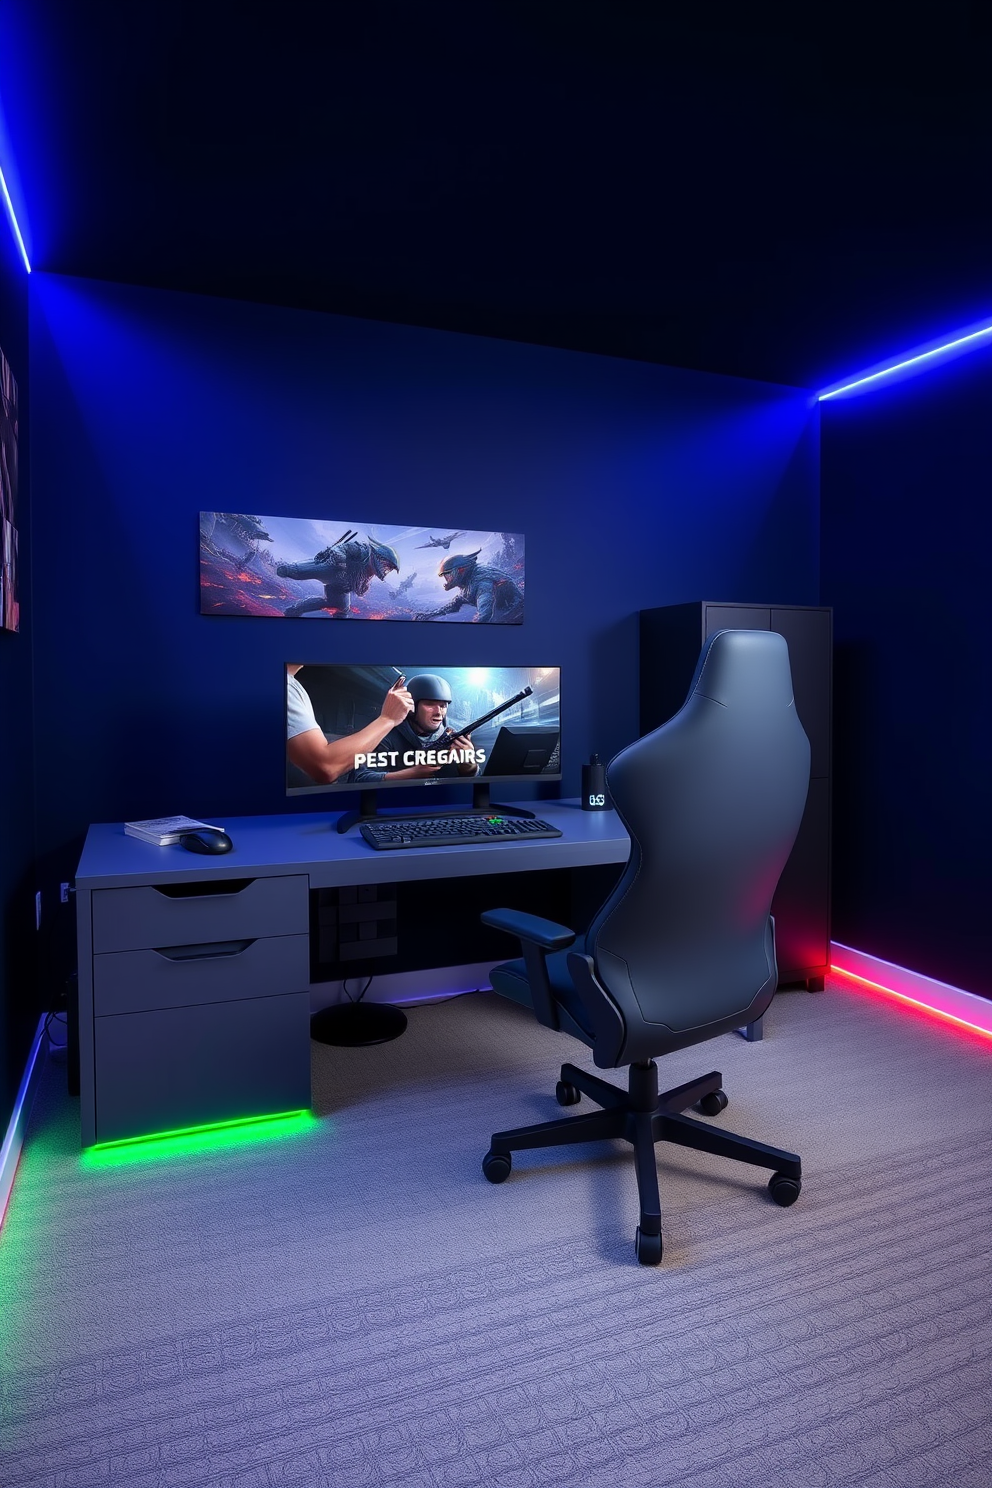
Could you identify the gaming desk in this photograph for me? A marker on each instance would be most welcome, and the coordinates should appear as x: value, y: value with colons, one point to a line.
x: 194, y: 972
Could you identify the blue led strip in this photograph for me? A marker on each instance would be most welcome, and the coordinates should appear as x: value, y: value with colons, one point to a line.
x: 984, y: 333
x: 10, y: 1151
x: 13, y: 221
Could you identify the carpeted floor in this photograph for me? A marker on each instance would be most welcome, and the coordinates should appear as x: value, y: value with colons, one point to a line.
x: 354, y: 1304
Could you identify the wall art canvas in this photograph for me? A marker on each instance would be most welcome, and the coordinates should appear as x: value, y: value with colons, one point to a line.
x: 10, y: 611
x: 293, y: 567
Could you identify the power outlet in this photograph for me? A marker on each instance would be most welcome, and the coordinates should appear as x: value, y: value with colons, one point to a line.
x: 37, y: 910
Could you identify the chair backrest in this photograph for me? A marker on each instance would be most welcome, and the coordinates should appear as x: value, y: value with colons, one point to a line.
x: 712, y: 800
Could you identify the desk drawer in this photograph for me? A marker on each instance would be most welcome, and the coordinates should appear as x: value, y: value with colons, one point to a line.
x: 133, y: 919
x: 180, y: 1067
x: 134, y: 981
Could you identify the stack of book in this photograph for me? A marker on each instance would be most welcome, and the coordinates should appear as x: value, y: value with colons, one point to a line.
x: 166, y: 829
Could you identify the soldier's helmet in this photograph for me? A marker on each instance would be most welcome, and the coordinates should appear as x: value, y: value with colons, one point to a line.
x: 384, y: 558
x: 427, y: 687
x: 458, y: 568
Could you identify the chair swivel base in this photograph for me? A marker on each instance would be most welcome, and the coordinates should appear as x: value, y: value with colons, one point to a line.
x: 643, y: 1116
x: 354, y: 1025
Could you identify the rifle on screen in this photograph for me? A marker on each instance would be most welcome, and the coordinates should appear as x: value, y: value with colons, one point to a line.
x: 469, y: 729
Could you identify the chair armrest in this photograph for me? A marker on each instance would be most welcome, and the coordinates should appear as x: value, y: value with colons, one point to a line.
x: 527, y: 927
x: 537, y: 937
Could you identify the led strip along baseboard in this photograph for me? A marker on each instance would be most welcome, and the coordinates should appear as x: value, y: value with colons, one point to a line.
x: 10, y: 1152
x: 950, y: 1004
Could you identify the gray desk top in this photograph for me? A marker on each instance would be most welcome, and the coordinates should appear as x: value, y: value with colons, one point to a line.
x: 266, y: 846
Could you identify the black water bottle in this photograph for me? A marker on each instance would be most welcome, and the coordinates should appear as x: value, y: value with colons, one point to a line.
x: 594, y: 797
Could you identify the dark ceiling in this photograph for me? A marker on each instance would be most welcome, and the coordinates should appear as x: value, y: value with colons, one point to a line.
x: 783, y: 191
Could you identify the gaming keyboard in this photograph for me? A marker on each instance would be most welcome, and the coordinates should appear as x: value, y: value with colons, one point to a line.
x: 453, y: 831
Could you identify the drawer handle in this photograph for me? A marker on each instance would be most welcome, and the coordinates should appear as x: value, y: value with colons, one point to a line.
x: 220, y: 888
x: 221, y: 950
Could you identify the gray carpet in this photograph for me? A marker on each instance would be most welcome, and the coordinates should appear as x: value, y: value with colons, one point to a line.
x: 357, y: 1305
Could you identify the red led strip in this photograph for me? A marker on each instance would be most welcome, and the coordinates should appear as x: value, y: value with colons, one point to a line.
x: 924, y: 1007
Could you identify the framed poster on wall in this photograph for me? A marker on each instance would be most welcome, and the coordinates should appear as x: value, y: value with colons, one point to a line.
x: 334, y: 570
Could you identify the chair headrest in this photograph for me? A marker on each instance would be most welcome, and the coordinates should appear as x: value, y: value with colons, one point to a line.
x: 745, y: 668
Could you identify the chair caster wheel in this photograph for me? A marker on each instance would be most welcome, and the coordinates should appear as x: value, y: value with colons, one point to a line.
x: 714, y: 1103
x: 566, y: 1094
x: 647, y: 1248
x: 784, y: 1191
x: 496, y: 1166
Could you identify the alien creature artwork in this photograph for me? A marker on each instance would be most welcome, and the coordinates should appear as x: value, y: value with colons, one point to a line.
x: 296, y: 568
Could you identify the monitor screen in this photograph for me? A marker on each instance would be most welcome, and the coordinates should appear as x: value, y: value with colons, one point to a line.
x: 362, y: 727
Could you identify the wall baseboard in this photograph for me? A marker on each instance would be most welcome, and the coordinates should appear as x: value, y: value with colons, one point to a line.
x: 913, y: 987
x: 13, y: 1141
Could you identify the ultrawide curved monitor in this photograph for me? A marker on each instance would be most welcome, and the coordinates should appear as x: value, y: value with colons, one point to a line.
x: 367, y: 727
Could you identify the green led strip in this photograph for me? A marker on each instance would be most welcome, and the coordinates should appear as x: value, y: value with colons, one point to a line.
x: 187, y: 1131
x: 191, y: 1139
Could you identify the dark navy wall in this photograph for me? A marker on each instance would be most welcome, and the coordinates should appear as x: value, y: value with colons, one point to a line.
x: 19, y: 1005
x: 907, y: 539
x: 635, y: 485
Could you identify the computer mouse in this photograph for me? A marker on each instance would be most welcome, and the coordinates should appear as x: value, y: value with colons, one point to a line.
x: 206, y: 841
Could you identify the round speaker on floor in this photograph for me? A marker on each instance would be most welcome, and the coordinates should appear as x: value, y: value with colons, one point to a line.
x: 354, y: 1024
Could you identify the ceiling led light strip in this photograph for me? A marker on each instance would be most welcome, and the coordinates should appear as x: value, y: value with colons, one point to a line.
x: 959, y: 343
x: 13, y: 222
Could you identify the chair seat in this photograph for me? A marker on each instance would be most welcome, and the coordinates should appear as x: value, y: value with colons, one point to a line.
x: 510, y: 980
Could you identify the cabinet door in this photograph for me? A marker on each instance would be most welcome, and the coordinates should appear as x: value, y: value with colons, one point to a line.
x: 802, y: 900
x: 735, y: 617
x: 187, y: 1066
x: 808, y: 635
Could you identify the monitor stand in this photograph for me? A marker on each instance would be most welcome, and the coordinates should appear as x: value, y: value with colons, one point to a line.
x: 354, y: 1025
x: 481, y: 806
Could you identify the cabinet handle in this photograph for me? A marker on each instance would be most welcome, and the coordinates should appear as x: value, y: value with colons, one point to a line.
x: 220, y: 950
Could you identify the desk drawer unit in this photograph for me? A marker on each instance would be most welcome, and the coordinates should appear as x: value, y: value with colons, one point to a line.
x: 200, y: 1004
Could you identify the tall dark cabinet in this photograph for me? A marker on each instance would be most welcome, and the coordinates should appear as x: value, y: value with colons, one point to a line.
x: 671, y: 639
